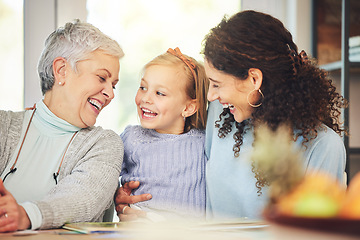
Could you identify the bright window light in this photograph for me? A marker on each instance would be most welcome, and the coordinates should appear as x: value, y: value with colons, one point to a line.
x: 11, y: 55
x: 146, y: 29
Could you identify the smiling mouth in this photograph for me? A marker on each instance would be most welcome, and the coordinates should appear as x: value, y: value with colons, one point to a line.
x: 229, y: 106
x: 147, y: 113
x: 95, y: 103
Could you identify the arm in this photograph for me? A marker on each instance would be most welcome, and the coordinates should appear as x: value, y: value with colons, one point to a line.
x: 14, y: 217
x: 123, y: 197
x: 87, y: 181
x: 123, y: 200
x: 327, y: 154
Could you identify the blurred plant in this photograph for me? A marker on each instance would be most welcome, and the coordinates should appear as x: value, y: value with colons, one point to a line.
x: 276, y: 160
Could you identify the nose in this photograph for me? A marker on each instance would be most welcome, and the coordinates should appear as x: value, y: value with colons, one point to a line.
x: 108, y: 91
x: 212, y: 94
x: 146, y: 98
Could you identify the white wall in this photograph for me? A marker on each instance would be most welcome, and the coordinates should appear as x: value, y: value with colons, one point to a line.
x: 39, y: 22
x: 41, y: 17
x: 295, y: 14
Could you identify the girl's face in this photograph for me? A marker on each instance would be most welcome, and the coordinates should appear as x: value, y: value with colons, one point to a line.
x: 161, y: 99
x: 230, y: 91
x: 84, y: 93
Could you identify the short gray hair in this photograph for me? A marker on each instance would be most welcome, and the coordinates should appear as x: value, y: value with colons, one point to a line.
x: 73, y: 42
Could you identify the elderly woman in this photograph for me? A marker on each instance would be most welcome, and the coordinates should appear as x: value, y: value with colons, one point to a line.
x: 258, y: 77
x: 55, y: 166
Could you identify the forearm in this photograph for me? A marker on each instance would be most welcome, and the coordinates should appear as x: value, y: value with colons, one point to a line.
x: 24, y: 221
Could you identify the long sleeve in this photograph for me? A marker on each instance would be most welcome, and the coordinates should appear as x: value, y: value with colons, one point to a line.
x: 87, y: 182
x: 170, y: 167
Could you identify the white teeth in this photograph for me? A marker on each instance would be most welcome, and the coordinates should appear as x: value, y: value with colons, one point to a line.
x: 95, y: 103
x: 146, y: 110
x: 228, y: 106
x: 148, y: 113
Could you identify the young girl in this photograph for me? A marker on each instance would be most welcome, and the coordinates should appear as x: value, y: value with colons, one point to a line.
x: 166, y: 153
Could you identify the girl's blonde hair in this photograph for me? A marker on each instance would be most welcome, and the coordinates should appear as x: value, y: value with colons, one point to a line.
x: 197, y: 86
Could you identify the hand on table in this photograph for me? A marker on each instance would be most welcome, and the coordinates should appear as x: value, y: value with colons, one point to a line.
x: 123, y: 199
x: 12, y: 216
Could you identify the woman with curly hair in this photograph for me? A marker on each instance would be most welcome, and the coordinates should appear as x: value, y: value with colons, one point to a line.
x: 257, y: 77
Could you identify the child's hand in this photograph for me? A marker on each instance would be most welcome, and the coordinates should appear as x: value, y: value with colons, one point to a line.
x: 123, y: 199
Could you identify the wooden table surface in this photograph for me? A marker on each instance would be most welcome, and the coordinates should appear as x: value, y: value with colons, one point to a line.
x: 269, y: 231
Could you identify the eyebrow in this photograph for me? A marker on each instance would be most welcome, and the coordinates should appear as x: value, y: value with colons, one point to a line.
x: 109, y: 73
x: 214, y: 80
x: 158, y: 86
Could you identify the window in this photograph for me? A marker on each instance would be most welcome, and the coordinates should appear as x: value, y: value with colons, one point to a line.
x: 11, y: 55
x: 146, y: 29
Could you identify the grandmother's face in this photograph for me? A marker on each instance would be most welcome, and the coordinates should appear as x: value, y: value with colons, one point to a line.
x: 84, y: 93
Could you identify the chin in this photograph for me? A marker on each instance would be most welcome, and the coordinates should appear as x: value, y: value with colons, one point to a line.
x: 88, y: 124
x: 239, y: 119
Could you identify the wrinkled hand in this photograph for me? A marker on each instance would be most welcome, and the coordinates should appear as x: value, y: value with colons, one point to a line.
x: 123, y: 199
x: 12, y: 216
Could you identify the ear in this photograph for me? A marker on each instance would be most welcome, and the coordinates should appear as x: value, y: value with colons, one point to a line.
x: 59, y: 69
x: 256, y: 77
x: 191, y: 107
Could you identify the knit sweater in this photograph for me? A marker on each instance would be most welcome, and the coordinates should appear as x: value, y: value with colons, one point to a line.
x: 170, y: 167
x: 88, y: 177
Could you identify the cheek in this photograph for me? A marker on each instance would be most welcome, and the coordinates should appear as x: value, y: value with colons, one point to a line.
x: 137, y: 98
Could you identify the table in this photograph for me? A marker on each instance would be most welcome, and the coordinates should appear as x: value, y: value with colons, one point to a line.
x: 269, y: 231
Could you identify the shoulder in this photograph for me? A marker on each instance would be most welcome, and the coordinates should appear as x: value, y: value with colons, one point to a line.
x: 214, y: 109
x: 326, y: 152
x: 10, y: 115
x: 133, y: 131
x: 196, y: 133
x: 11, y: 121
x: 327, y: 136
x: 97, y: 135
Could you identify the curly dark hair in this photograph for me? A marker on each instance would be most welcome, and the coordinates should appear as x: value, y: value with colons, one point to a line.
x: 297, y: 92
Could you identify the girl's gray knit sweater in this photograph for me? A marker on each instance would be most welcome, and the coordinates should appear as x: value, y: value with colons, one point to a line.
x: 170, y: 167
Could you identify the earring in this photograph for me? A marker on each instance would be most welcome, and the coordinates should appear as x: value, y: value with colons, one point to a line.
x: 255, y: 105
x: 183, y: 116
x: 59, y: 83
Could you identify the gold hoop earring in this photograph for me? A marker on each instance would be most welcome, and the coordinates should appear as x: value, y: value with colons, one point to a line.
x: 255, y: 105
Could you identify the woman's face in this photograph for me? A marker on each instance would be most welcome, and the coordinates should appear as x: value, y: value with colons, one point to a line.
x: 230, y: 91
x: 83, y: 93
x: 161, y: 99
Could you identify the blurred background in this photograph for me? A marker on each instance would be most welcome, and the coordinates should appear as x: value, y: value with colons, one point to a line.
x: 147, y: 28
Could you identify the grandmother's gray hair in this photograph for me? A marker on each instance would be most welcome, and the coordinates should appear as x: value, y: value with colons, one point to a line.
x: 73, y: 42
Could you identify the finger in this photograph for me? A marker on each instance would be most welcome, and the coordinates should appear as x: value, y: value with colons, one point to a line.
x: 124, y: 199
x: 2, y: 188
x: 129, y: 217
x: 2, y: 212
x: 120, y: 207
x: 131, y: 211
x: 129, y: 186
x: 8, y: 224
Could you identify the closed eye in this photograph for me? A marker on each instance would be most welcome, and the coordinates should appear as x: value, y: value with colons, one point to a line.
x: 160, y: 93
x: 102, y: 79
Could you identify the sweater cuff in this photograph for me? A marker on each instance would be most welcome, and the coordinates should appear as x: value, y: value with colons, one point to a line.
x: 33, y: 213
